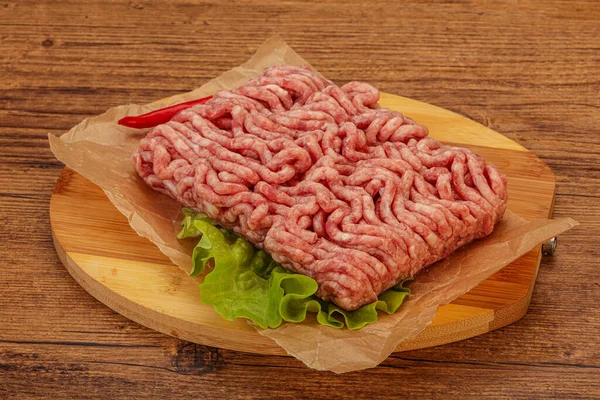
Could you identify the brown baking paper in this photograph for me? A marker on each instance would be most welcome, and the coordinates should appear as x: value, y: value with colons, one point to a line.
x: 100, y: 150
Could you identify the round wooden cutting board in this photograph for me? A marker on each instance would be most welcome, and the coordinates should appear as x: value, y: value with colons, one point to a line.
x: 129, y: 274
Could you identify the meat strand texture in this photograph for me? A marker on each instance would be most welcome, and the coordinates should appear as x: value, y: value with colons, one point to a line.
x: 331, y: 185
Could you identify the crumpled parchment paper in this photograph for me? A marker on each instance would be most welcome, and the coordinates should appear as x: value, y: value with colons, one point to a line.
x: 100, y: 150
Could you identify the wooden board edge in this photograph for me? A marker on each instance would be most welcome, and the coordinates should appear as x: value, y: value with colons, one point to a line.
x: 152, y: 319
x: 467, y: 329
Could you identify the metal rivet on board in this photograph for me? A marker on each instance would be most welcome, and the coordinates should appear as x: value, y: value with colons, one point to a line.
x: 549, y: 247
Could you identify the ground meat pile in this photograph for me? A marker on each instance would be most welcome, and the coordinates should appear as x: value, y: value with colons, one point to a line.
x: 319, y: 176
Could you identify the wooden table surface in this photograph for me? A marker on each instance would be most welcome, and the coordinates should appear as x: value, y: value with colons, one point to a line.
x: 528, y: 69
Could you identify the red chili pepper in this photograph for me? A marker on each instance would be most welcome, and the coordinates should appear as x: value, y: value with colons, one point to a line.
x: 158, y: 117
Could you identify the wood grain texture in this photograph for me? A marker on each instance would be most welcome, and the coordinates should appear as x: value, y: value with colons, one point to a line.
x: 527, y: 69
x: 131, y: 276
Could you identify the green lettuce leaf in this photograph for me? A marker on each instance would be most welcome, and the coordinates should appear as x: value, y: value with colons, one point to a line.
x: 246, y: 282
